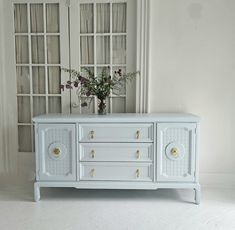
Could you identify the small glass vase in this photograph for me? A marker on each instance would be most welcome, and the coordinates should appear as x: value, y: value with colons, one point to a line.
x: 102, y: 106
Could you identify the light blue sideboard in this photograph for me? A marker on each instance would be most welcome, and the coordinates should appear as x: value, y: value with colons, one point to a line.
x: 117, y: 151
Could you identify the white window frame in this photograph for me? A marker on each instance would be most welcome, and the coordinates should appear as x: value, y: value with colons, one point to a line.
x: 142, y: 50
x: 130, y: 64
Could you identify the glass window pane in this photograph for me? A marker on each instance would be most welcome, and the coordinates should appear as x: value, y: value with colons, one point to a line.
x: 54, y: 104
x: 87, y: 50
x: 38, y: 77
x: 103, y: 49
x: 84, y: 71
x: 52, y: 18
x: 24, y: 115
x: 24, y: 138
x: 54, y: 80
x: 38, y: 55
x: 53, y: 49
x: 119, y: 17
x: 103, y: 18
x: 90, y: 108
x: 36, y: 18
x: 119, y: 49
x: 20, y: 17
x: 103, y: 70
x: 121, y: 89
x: 118, y: 105
x: 39, y: 105
x: 22, y: 49
x: 23, y: 80
x: 86, y: 18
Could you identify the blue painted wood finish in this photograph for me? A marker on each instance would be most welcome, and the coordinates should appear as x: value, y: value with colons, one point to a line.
x: 117, y: 151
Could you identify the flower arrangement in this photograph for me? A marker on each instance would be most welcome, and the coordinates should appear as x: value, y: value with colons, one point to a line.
x: 87, y: 84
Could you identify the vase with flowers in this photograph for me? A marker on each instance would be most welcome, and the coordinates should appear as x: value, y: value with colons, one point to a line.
x: 87, y: 84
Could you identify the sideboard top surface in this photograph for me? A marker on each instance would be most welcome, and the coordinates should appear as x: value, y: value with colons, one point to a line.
x: 117, y: 117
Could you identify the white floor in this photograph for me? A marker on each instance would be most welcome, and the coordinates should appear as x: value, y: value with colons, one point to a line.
x: 69, y: 209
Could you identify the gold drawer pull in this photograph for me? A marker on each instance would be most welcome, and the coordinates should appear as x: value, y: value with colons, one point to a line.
x: 137, y: 134
x: 138, y: 154
x: 92, y: 133
x: 174, y: 152
x: 93, y: 153
x: 137, y: 173
x: 92, y: 173
x: 56, y: 151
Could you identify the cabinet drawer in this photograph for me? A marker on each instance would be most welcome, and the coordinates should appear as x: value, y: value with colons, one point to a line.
x: 116, y: 152
x: 116, y: 171
x: 137, y: 132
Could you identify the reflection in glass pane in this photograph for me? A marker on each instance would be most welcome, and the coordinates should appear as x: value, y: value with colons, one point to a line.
x: 54, y: 80
x: 84, y: 70
x: 90, y: 108
x: 52, y: 18
x: 53, y: 49
x: 119, y: 49
x: 103, y: 49
x: 39, y: 105
x: 86, y: 18
x: 38, y: 49
x: 119, y: 105
x: 20, y: 18
x: 36, y: 18
x: 54, y: 104
x: 38, y: 77
x: 87, y: 50
x: 102, y: 70
x: 103, y: 17
x: 24, y: 138
x: 119, y: 17
x: 122, y: 87
x: 24, y: 115
x: 23, y: 80
x: 22, y: 49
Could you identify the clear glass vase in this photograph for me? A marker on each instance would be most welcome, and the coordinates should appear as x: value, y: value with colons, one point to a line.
x: 102, y: 106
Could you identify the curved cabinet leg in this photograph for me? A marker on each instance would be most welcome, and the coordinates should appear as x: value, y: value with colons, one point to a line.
x: 197, y: 195
x: 36, y: 192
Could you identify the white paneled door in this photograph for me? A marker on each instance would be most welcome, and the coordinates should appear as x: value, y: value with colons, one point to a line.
x: 50, y: 34
x: 41, y: 48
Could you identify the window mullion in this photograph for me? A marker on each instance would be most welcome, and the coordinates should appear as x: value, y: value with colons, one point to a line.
x: 111, y: 54
x: 95, y: 60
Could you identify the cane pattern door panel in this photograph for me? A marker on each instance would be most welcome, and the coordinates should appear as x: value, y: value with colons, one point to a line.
x: 176, y: 151
x: 57, y: 152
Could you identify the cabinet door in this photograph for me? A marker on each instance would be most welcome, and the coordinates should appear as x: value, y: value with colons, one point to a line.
x: 176, y: 152
x: 56, y: 152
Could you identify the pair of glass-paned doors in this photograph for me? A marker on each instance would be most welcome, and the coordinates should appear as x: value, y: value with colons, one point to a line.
x: 50, y: 35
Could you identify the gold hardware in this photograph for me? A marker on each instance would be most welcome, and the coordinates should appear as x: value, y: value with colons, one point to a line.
x: 174, y: 152
x: 56, y: 151
x: 137, y: 173
x: 92, y: 134
x: 92, y: 173
x: 138, y: 154
x: 93, y: 153
x: 137, y: 134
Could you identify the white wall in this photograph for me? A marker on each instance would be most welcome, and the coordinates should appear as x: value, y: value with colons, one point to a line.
x: 193, y: 70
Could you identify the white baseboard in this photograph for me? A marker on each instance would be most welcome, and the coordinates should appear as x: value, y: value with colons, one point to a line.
x: 217, y: 179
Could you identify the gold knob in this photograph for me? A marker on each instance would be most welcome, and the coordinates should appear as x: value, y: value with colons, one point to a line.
x: 92, y: 132
x: 92, y: 173
x: 138, y: 154
x: 137, y: 173
x: 56, y: 151
x: 93, y: 153
x: 137, y: 134
x: 174, y: 152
